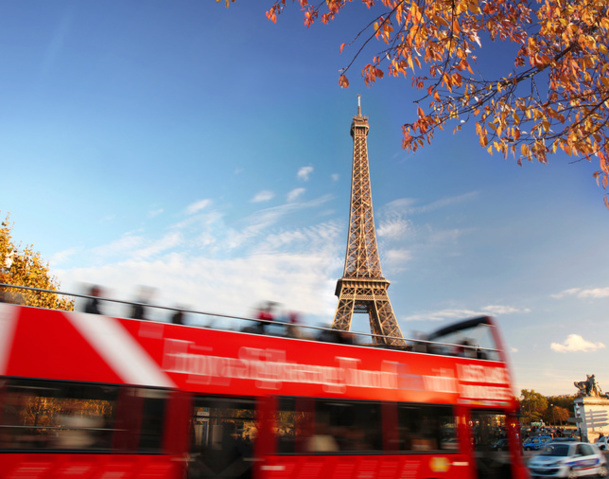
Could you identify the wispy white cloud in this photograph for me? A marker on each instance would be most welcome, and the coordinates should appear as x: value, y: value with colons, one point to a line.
x: 409, y: 205
x: 442, y: 315
x: 591, y: 293
x: 296, y: 193
x: 565, y: 293
x: 197, y: 206
x: 454, y: 314
x: 304, y: 173
x: 195, y: 263
x: 153, y: 213
x: 441, y: 236
x: 285, y: 238
x: 313, y: 238
x: 62, y: 256
x: 167, y: 242
x: 496, y: 310
x: 264, y: 195
x: 123, y: 245
x: 594, y: 293
x: 136, y: 246
x: 397, y: 258
x: 393, y: 229
x: 335, y: 176
x: 257, y: 222
x: 401, y: 205
x: 575, y: 343
x: 225, y: 285
x: 206, y: 218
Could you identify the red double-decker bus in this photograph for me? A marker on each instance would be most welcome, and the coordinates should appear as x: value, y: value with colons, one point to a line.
x: 93, y: 396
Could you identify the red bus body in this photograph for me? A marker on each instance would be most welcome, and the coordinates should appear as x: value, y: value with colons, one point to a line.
x: 181, y: 363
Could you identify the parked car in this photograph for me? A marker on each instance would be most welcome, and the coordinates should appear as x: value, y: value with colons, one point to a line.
x: 568, y: 459
x: 500, y: 445
x: 602, y: 443
x: 535, y: 443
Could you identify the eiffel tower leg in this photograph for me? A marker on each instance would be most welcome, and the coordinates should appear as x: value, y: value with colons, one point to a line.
x: 344, y: 313
x: 375, y: 323
x: 388, y: 324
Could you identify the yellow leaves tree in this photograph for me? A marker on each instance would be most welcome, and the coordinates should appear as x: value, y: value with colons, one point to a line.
x: 25, y: 267
x: 552, y: 93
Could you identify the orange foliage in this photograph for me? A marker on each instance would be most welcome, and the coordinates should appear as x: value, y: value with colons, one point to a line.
x: 552, y: 95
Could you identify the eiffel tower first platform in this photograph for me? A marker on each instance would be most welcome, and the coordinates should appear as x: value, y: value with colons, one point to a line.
x: 362, y: 289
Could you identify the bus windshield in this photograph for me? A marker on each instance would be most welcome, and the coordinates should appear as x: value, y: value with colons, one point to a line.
x: 473, y: 338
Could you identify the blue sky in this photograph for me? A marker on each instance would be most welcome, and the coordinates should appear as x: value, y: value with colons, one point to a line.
x: 205, y: 151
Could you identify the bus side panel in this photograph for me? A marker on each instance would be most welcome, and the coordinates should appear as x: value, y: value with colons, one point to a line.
x: 423, y: 466
x: 177, y: 424
x: 519, y: 469
x: 87, y: 466
x: 465, y: 438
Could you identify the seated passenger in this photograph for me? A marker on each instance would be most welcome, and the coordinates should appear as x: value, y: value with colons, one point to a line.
x: 322, y: 443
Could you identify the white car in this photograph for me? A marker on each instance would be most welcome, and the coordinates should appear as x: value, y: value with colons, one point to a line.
x: 602, y: 443
x: 568, y: 459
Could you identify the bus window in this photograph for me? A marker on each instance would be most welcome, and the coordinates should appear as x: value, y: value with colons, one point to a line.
x: 47, y: 414
x: 294, y: 424
x: 153, y: 415
x: 140, y: 417
x: 328, y: 426
x: 487, y: 428
x: 473, y: 338
x: 223, y: 435
x: 355, y: 425
x: 426, y: 428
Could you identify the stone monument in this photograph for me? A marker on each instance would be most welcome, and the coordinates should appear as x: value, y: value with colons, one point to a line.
x: 591, y: 409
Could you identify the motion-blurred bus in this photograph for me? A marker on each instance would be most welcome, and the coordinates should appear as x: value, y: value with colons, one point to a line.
x: 92, y: 396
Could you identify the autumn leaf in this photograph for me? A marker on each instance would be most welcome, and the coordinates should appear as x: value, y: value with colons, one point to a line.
x: 343, y: 82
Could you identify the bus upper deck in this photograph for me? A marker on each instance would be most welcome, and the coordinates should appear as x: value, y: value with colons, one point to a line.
x: 153, y: 399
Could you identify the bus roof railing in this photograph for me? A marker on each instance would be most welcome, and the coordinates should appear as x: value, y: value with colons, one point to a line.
x: 429, y: 345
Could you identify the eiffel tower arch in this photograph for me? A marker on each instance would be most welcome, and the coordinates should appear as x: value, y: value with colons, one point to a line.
x: 362, y: 288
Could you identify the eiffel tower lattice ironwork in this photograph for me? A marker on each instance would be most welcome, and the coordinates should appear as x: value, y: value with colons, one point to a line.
x: 362, y: 289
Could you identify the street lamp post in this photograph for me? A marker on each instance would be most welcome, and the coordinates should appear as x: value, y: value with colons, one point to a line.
x: 553, y: 416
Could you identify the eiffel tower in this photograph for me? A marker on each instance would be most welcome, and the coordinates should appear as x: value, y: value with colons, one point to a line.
x: 362, y: 289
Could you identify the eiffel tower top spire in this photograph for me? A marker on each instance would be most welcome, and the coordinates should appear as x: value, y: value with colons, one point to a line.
x: 362, y: 259
x: 362, y: 289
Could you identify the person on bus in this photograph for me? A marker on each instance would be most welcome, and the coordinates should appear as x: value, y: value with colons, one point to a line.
x: 92, y: 306
x: 76, y: 429
x: 466, y: 349
x: 138, y: 309
x: 293, y: 321
x: 178, y: 316
x: 322, y: 440
x: 265, y: 314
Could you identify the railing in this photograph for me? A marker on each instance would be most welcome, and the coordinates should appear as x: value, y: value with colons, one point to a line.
x: 283, y: 328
